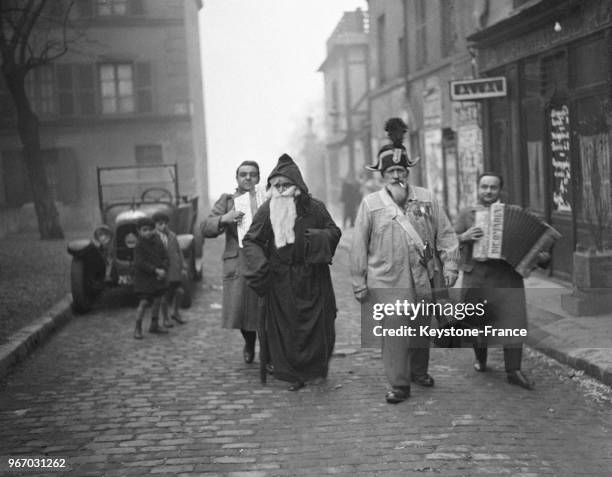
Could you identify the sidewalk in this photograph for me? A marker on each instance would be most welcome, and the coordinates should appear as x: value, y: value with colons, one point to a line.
x: 583, y: 342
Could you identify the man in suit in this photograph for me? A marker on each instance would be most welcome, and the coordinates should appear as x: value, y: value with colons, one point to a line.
x: 241, y: 306
x: 493, y: 281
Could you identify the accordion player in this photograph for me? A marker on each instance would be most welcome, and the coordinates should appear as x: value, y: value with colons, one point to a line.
x: 512, y: 234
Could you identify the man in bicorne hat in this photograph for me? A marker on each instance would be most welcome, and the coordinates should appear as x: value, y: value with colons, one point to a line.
x: 403, y: 248
x: 288, y: 250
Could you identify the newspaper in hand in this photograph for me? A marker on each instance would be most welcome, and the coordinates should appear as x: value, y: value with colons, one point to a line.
x: 242, y: 203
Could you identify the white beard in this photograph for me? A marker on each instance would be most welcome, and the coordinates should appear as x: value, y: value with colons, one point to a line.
x: 282, y: 215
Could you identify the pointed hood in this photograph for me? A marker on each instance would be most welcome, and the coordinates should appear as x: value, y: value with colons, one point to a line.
x: 286, y: 167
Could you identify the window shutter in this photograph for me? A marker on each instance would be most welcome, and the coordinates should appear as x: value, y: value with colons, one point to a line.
x: 86, y: 97
x: 144, y: 92
x: 65, y: 89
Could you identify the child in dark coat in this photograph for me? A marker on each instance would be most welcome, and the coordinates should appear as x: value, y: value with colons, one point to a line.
x: 177, y: 270
x: 150, y: 269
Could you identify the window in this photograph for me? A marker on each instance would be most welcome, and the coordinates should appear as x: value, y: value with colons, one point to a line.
x: 117, y: 88
x: 421, y: 33
x: 585, y: 71
x: 107, y: 8
x: 40, y: 91
x: 533, y: 135
x: 449, y: 32
x: 111, y: 7
x: 380, y: 49
x: 76, y: 86
x: 149, y: 154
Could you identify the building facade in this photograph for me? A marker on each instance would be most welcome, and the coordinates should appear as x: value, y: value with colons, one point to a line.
x: 550, y: 136
x: 417, y: 47
x: 347, y: 129
x: 130, y: 92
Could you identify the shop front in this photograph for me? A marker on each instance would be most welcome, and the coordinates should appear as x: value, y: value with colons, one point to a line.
x: 550, y: 136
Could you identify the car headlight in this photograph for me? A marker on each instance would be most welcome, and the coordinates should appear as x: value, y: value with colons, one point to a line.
x: 130, y: 240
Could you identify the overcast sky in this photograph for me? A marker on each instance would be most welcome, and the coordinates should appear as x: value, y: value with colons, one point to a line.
x: 260, y: 61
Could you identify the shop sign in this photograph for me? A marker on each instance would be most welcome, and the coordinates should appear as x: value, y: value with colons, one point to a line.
x: 482, y: 88
x: 560, y: 150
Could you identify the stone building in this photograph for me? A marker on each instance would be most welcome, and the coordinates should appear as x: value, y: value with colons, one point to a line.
x: 347, y: 129
x: 550, y: 136
x: 130, y: 92
x: 417, y: 47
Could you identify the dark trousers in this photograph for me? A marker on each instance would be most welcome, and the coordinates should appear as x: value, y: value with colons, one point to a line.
x: 513, y: 355
x: 249, y: 338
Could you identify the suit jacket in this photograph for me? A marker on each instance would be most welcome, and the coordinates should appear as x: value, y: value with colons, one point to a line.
x: 241, y: 306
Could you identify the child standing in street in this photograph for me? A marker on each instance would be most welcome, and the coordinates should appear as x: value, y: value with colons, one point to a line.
x: 150, y: 270
x: 177, y: 270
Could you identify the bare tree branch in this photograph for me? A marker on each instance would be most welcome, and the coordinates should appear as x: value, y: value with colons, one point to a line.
x: 27, y: 29
x: 21, y: 20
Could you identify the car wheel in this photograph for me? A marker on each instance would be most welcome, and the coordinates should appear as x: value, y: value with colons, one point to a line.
x: 83, y: 294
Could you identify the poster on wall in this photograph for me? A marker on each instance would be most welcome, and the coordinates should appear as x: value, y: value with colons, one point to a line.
x: 466, y: 116
x: 560, y: 157
x: 450, y: 161
x: 433, y: 159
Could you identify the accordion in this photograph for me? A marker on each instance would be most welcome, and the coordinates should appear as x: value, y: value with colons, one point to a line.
x: 514, y: 235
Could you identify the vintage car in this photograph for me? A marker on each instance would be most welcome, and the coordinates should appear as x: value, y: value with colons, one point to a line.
x: 126, y: 194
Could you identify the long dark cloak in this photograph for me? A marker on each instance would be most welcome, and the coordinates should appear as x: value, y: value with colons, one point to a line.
x: 295, y: 282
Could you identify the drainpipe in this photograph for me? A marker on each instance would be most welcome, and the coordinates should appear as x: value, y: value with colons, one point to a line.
x: 349, y: 111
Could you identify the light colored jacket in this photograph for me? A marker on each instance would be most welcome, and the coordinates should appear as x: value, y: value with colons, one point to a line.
x: 383, y: 255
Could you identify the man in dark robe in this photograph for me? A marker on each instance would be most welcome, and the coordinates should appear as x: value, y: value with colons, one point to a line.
x: 288, y: 250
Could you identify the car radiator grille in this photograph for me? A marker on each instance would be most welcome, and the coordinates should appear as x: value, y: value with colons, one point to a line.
x: 123, y: 251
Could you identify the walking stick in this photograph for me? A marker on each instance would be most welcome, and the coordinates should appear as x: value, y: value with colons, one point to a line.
x: 264, y: 352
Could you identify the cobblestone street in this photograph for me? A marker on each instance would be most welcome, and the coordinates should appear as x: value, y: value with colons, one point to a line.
x: 186, y: 404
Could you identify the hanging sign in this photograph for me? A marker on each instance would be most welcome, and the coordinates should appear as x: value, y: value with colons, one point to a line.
x: 481, y: 88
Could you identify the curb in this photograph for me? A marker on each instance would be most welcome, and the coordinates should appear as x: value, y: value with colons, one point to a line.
x: 21, y: 343
x: 540, y: 340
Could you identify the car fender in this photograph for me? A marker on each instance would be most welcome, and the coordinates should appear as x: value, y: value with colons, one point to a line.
x: 79, y: 247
